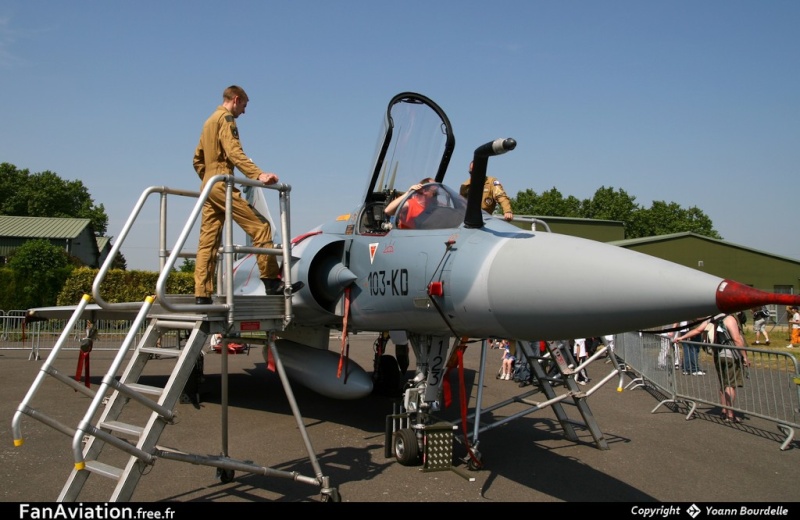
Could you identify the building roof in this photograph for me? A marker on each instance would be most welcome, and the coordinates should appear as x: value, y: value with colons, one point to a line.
x: 630, y: 242
x: 102, y: 242
x: 42, y: 227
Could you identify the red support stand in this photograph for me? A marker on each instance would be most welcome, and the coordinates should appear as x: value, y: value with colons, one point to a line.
x: 83, y: 359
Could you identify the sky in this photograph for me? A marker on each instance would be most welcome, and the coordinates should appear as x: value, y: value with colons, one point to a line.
x: 696, y: 103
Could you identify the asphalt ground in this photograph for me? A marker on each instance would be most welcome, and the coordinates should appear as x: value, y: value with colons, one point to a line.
x: 652, y: 457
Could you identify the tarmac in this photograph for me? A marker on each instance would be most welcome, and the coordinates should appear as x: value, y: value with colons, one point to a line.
x: 654, y: 453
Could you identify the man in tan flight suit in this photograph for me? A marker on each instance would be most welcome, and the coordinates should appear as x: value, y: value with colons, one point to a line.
x: 493, y: 193
x: 217, y: 153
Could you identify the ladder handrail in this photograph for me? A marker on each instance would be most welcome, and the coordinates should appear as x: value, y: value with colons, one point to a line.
x: 85, y: 424
x: 101, y: 274
x: 229, y: 250
x: 45, y: 370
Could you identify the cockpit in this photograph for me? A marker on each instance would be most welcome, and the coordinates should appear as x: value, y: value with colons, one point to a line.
x: 416, y: 142
x: 434, y: 206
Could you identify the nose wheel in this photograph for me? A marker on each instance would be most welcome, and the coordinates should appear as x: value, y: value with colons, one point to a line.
x: 406, y: 447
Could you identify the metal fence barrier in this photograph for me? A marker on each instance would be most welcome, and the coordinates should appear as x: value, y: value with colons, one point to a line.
x: 770, y: 390
x: 16, y: 335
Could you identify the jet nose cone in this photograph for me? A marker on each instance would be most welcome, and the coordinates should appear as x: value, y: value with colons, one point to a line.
x: 552, y: 286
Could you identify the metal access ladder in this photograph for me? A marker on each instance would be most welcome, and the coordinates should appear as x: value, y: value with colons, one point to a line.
x: 133, y: 433
x: 130, y: 416
x: 554, y: 378
x: 110, y: 419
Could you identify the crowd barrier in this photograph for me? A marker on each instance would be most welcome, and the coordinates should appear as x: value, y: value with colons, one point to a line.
x: 770, y: 390
x: 17, y: 335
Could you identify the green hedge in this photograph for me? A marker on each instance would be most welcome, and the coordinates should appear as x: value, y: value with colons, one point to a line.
x: 68, y: 285
x: 122, y: 286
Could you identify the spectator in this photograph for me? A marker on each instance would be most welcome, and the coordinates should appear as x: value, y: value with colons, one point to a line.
x: 794, y: 321
x: 760, y: 316
x: 507, y: 368
x: 580, y: 354
x: 592, y: 344
x: 728, y: 362
x: 690, y: 350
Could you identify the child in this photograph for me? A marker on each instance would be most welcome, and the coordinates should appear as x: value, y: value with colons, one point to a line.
x: 508, y: 361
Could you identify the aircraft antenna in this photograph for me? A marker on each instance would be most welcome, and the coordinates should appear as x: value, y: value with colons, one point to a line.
x: 380, y: 180
x: 394, y: 175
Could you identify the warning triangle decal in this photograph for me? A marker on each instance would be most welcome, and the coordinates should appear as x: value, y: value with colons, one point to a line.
x: 372, y: 249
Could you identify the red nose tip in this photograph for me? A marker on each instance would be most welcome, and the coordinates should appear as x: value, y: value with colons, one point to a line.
x: 734, y: 296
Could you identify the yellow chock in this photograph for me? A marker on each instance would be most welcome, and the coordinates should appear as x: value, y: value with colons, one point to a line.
x: 619, y: 389
x: 79, y: 466
x: 18, y: 442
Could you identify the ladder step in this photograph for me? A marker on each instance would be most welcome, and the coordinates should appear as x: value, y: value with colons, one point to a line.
x: 145, y: 389
x: 121, y: 427
x: 164, y: 352
x: 105, y: 470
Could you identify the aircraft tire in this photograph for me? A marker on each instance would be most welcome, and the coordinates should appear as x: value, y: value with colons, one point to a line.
x: 405, y: 447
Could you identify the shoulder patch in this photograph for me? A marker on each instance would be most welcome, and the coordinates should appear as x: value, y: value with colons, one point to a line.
x: 496, y: 182
x: 229, y: 118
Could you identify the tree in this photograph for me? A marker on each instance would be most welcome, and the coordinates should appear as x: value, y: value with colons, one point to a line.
x: 610, y: 204
x: 40, y: 269
x: 187, y: 266
x: 12, y: 201
x: 46, y: 194
x: 119, y: 262
x: 550, y: 203
x: 665, y: 218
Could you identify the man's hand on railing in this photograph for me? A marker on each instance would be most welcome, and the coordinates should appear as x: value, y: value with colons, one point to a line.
x: 268, y: 178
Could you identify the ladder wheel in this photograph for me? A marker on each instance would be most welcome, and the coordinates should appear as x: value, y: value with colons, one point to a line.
x: 331, y: 496
x: 225, y: 475
x: 476, y: 463
x: 406, y: 449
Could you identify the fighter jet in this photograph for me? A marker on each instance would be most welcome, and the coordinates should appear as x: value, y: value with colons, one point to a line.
x: 448, y: 270
x: 415, y: 258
